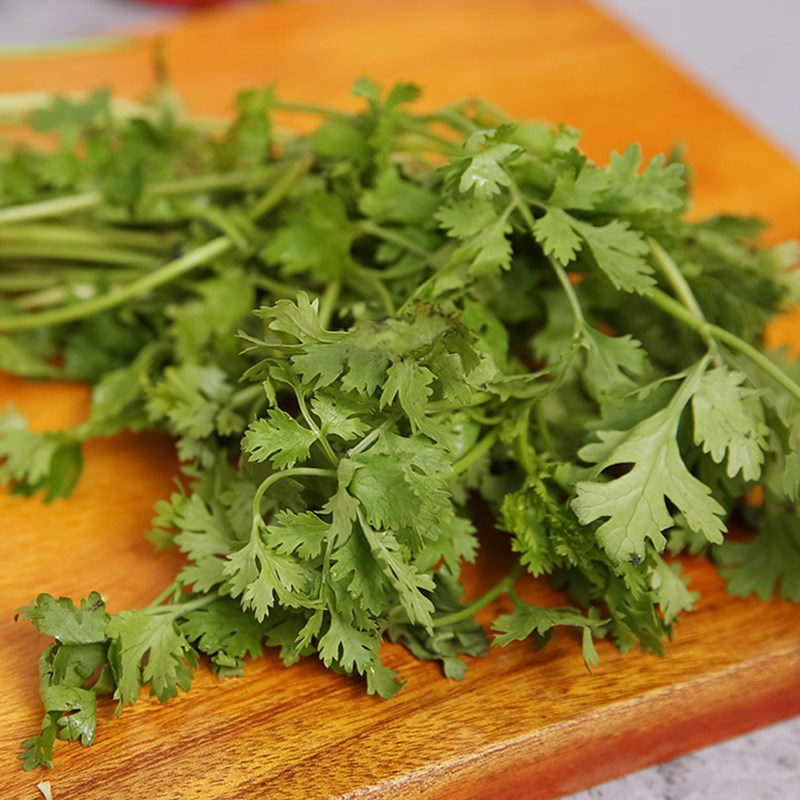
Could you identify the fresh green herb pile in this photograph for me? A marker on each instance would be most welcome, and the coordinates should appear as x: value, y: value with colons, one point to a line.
x: 451, y: 308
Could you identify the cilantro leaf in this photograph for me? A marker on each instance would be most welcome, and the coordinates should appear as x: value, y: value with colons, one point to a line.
x: 527, y: 619
x: 280, y: 438
x: 148, y: 647
x: 634, y: 504
x: 729, y: 422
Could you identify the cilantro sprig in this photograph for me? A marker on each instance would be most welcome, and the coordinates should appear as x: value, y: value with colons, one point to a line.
x: 452, y: 309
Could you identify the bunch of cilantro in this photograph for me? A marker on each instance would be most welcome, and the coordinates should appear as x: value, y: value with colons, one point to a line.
x: 453, y: 310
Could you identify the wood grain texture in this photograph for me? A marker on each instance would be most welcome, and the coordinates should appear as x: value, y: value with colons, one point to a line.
x: 522, y: 724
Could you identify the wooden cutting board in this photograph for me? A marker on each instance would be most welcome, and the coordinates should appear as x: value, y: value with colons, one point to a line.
x: 523, y: 724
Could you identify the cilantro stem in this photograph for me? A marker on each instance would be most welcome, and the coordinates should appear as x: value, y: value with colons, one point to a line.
x: 323, y: 440
x: 679, y: 312
x: 327, y: 305
x: 679, y: 284
x: 246, y: 395
x: 281, y: 187
x: 277, y: 288
x: 14, y: 108
x: 483, y: 105
x: 313, y: 108
x: 477, y: 399
x: 569, y: 291
x: 286, y: 473
x: 164, y: 595
x: 169, y: 272
x: 373, y: 435
x: 544, y: 428
x: 563, y: 278
x: 61, y: 206
x: 395, y: 237
x: 373, y: 279
x: 179, y: 609
x: 72, y: 235
x: 502, y: 586
x: 106, y: 255
x: 526, y: 455
x: 481, y: 448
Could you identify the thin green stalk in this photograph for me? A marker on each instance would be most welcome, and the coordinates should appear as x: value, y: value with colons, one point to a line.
x: 164, y: 274
x: 373, y: 435
x: 15, y: 108
x: 25, y: 282
x: 477, y: 399
x: 315, y: 109
x: 679, y: 285
x: 544, y: 428
x: 281, y: 187
x: 168, y: 272
x: 452, y: 118
x: 681, y: 313
x: 93, y: 254
x: 323, y: 440
x: 558, y: 269
x: 276, y: 287
x: 569, y: 291
x: 526, y: 455
x: 469, y: 611
x: 480, y: 449
x: 54, y: 207
x: 62, y: 206
x: 246, y: 395
x: 70, y: 234
x: 279, y: 476
x: 373, y: 279
x: 395, y: 237
x: 328, y: 302
x: 164, y: 595
x: 179, y: 609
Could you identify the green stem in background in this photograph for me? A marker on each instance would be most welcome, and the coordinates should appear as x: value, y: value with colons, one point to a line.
x: 277, y: 288
x: 544, y: 428
x: 681, y: 313
x: 560, y: 272
x: 373, y: 435
x: 481, y: 448
x: 62, y: 206
x: 105, y: 255
x: 26, y: 281
x: 15, y: 108
x: 477, y: 399
x: 168, y: 272
x: 327, y: 305
x: 164, y: 595
x: 371, y: 277
x: 480, y: 105
x: 502, y: 586
x: 281, y: 187
x: 321, y: 438
x: 313, y: 108
x: 246, y: 395
x: 526, y: 455
x: 198, y: 257
x: 572, y: 296
x: 279, y: 476
x: 395, y: 237
x: 678, y: 283
x: 179, y: 609
x: 89, y: 236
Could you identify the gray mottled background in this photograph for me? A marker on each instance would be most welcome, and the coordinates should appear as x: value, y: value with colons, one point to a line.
x: 748, y: 52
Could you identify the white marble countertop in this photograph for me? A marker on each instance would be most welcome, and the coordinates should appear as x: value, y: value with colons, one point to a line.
x: 748, y: 52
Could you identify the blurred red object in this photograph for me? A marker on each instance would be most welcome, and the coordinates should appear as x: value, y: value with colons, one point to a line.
x: 185, y: 3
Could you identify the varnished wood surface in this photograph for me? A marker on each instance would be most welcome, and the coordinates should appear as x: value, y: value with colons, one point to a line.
x: 522, y: 724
